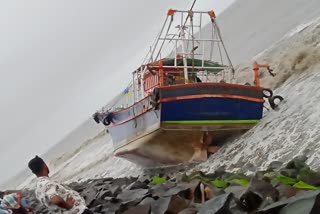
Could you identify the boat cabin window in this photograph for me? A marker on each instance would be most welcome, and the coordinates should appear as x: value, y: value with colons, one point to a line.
x: 150, y: 82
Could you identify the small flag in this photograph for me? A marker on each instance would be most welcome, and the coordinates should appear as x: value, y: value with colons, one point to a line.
x: 126, y: 92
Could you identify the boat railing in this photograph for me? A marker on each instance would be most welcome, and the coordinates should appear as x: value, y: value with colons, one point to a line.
x: 182, y: 47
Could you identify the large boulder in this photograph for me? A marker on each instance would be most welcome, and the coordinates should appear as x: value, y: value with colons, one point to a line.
x: 219, y: 204
x: 298, y: 163
x: 310, y: 177
x: 287, y: 191
x: 275, y: 165
x: 306, y: 203
x: 291, y: 173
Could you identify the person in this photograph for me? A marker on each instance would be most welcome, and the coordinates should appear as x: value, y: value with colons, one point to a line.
x: 56, y: 197
x: 3, y: 209
x: 13, y: 202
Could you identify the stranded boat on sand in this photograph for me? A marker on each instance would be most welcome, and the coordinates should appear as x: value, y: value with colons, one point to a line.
x: 184, y: 103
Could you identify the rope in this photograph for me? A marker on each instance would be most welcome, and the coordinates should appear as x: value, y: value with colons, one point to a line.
x: 150, y: 51
x: 160, y: 36
x: 219, y: 34
x: 165, y: 37
x: 194, y: 2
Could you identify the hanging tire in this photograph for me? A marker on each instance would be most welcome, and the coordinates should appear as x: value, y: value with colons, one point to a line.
x: 96, y: 118
x: 267, y: 93
x: 273, y: 101
x: 107, y: 120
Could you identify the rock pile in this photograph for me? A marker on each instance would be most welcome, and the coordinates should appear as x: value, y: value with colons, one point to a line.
x: 280, y: 189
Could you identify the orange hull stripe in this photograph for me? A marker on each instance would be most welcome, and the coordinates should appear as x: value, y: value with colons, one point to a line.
x: 130, y: 118
x: 192, y: 85
x: 213, y: 96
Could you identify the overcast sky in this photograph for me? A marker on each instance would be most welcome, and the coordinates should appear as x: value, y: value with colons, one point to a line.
x: 62, y: 60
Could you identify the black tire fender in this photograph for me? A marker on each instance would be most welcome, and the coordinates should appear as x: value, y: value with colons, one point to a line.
x: 155, y: 97
x: 96, y: 118
x: 267, y: 93
x: 107, y: 120
x: 272, y: 100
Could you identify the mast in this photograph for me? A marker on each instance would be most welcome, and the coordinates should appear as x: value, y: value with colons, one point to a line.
x: 184, y: 54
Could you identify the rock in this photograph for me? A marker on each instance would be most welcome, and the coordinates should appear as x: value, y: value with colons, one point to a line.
x: 211, y: 192
x: 291, y: 173
x: 110, y: 206
x: 104, y: 193
x: 198, y: 194
x: 237, y: 191
x: 189, y: 211
x: 115, y: 190
x: 180, y: 177
x: 304, y: 203
x: 227, y: 176
x: 131, y: 195
x: 162, y: 189
x: 259, y: 193
x: 218, y: 173
x: 161, y: 205
x: 235, y: 208
x: 95, y: 203
x: 300, y: 206
x: 249, y: 167
x: 112, y: 199
x: 145, y: 179
x: 137, y: 185
x: 89, y: 195
x: 177, y: 204
x: 250, y: 201
x: 286, y: 191
x: 275, y: 165
x: 272, y: 177
x: 98, y: 208
x: 264, y: 189
x: 298, y: 163
x: 197, y: 175
x: 219, y: 204
x: 123, y: 181
x: 260, y: 174
x: 147, y: 201
x: 179, y: 189
x: 77, y: 187
x: 124, y: 206
x: 141, y: 209
x: 309, y: 177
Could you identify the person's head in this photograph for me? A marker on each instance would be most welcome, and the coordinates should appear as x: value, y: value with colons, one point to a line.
x: 2, y: 194
x: 38, y: 167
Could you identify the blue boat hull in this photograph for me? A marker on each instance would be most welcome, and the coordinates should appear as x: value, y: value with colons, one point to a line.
x: 184, y: 121
x: 211, y: 109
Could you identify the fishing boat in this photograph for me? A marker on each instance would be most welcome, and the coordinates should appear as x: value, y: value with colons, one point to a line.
x: 183, y: 104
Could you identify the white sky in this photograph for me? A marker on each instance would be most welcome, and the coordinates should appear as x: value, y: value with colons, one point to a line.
x: 62, y: 60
